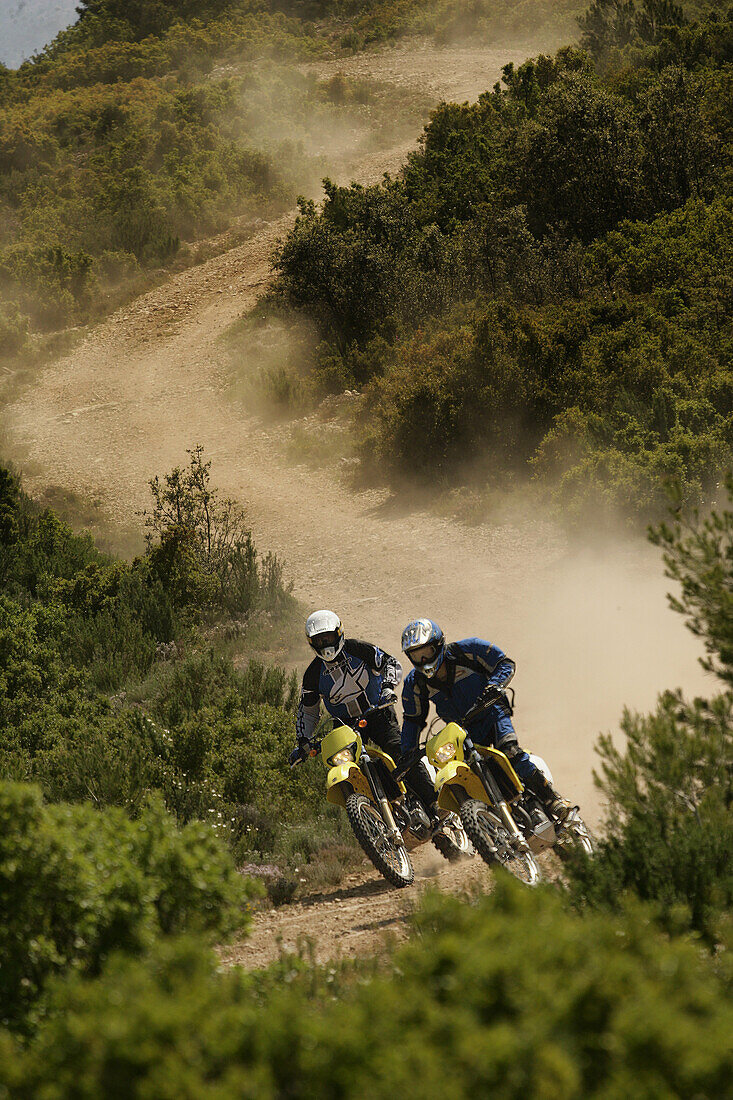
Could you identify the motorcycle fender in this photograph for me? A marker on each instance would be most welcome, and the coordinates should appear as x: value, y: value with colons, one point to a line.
x: 502, y: 761
x: 458, y: 774
x: 342, y: 779
x: 542, y: 766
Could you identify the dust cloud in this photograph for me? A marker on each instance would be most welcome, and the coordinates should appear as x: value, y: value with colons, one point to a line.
x: 589, y: 628
x: 316, y: 120
x: 269, y: 364
x: 592, y: 633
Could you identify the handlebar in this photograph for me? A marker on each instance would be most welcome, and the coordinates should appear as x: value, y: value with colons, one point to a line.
x: 362, y: 718
x: 477, y: 710
x: 357, y: 721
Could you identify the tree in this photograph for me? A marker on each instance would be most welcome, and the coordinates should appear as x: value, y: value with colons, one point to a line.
x: 698, y: 554
x: 147, y: 17
x: 204, y: 552
x: 341, y: 263
x: 614, y: 24
x: 580, y: 160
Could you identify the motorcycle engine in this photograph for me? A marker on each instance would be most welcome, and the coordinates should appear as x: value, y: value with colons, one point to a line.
x: 418, y: 821
x: 542, y: 834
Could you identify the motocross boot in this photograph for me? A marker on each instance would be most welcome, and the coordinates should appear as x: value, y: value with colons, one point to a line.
x: 435, y: 814
x: 559, y: 809
x: 556, y: 807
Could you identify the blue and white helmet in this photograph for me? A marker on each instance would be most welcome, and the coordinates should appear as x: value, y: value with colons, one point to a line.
x: 423, y: 643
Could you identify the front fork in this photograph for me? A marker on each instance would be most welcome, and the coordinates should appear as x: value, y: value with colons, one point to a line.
x: 375, y: 785
x: 501, y: 804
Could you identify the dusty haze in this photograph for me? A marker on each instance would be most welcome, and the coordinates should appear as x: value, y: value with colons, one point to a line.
x: 589, y: 628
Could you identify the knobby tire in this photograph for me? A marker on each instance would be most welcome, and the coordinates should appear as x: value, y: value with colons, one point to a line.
x: 488, y: 838
x: 367, y: 824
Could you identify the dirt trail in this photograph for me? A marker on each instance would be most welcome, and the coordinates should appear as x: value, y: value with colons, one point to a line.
x: 589, y: 631
x: 354, y: 919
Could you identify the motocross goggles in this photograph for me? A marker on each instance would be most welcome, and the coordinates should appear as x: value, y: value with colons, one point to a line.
x: 327, y: 642
x: 423, y: 655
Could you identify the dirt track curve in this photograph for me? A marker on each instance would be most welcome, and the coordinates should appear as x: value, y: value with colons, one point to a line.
x: 589, y: 631
x: 356, y: 918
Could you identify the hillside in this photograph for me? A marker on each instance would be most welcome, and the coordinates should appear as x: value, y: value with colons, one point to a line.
x: 143, y: 129
x: 525, y: 324
x: 543, y: 291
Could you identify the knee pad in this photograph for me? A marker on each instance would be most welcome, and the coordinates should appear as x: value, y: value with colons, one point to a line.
x: 510, y: 747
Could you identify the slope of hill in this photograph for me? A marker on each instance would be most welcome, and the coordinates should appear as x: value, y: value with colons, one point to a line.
x: 118, y: 689
x: 545, y: 287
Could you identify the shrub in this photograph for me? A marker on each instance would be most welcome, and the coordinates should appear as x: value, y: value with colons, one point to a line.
x: 669, y: 824
x: 449, y: 397
x: 212, y: 739
x: 205, y: 554
x: 13, y: 329
x: 698, y: 554
x: 510, y: 994
x: 78, y: 884
x: 544, y: 289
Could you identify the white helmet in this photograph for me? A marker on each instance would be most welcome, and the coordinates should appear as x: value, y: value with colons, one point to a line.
x: 325, y: 634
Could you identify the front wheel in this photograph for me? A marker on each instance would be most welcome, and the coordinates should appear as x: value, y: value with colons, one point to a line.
x: 494, y: 844
x: 391, y: 861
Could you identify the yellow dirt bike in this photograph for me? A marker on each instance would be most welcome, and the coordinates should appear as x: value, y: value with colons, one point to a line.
x: 387, y: 819
x: 506, y: 823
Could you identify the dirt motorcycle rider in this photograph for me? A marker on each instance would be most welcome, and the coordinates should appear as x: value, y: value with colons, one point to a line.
x: 456, y: 677
x: 351, y: 677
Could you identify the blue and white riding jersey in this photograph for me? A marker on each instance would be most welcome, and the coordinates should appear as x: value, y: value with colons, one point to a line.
x: 472, y: 664
x: 348, y: 686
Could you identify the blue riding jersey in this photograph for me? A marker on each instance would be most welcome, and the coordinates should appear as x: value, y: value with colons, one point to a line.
x: 471, y: 665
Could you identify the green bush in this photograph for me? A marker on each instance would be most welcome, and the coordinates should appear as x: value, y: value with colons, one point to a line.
x: 211, y: 738
x: 114, y: 146
x: 668, y: 835
x: 607, y: 394
x: 77, y: 884
x: 109, y: 617
x: 698, y: 554
x: 123, y: 143
x: 452, y: 395
x: 204, y: 556
x: 13, y: 329
x: 510, y: 995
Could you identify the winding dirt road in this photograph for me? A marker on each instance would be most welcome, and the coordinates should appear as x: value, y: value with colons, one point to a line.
x: 589, y: 630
